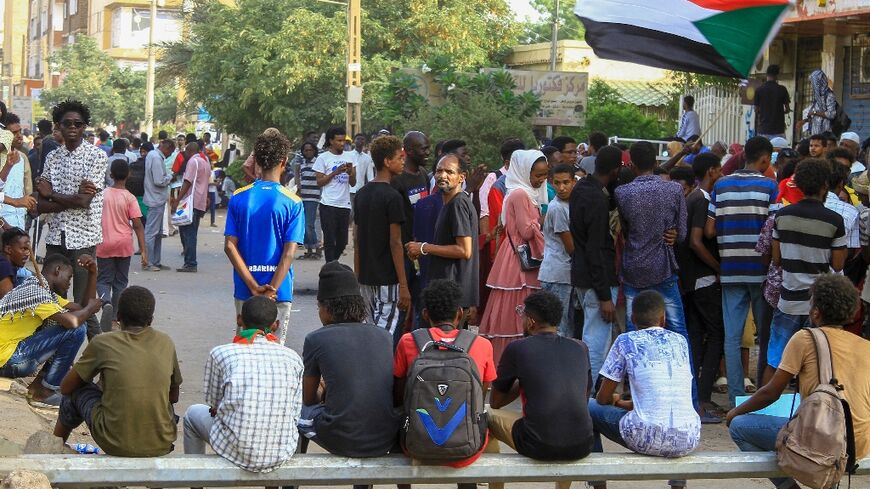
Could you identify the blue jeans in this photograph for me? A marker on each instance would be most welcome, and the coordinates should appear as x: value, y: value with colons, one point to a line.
x: 782, y: 328
x: 311, y: 238
x: 736, y: 300
x: 675, y: 318
x: 563, y: 292
x: 605, y: 421
x: 188, y: 239
x: 597, y: 334
x: 55, y: 342
x: 757, y: 433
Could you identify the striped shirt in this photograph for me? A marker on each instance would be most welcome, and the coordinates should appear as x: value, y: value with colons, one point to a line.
x: 740, y: 204
x: 806, y: 232
x: 308, y: 189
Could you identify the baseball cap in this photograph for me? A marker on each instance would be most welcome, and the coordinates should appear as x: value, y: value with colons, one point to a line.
x: 850, y: 136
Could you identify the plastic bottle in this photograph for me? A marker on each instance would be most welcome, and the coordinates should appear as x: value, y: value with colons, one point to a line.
x: 85, y: 448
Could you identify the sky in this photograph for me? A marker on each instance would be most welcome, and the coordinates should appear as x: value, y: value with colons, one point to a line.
x: 523, y: 9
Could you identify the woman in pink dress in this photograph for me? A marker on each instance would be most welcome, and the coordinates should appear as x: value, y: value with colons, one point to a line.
x: 521, y: 217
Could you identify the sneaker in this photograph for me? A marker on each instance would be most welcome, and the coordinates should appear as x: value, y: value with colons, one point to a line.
x: 721, y: 385
x: 154, y: 268
x: 107, y: 317
x: 186, y: 269
x: 748, y: 386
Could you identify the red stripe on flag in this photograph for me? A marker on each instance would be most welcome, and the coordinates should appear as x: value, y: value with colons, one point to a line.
x: 729, y: 5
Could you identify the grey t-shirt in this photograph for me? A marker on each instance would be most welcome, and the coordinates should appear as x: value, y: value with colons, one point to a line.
x: 356, y: 363
x: 587, y: 164
x: 556, y: 266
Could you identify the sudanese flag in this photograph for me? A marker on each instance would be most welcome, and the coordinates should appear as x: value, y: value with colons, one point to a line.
x: 714, y: 37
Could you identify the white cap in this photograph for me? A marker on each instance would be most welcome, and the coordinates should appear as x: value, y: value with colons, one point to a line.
x: 850, y: 136
x: 779, y: 142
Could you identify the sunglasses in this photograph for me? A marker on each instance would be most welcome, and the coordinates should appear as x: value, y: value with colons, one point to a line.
x: 70, y: 123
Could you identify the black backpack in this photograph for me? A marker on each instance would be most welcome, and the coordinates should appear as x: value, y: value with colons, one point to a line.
x: 136, y: 180
x: 445, y: 419
x: 841, y: 121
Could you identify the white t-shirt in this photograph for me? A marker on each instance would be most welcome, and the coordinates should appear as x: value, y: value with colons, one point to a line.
x: 336, y: 193
x: 365, y: 169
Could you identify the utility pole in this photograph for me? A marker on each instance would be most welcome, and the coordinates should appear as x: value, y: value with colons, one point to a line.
x: 149, y: 83
x: 353, y: 122
x: 554, y: 49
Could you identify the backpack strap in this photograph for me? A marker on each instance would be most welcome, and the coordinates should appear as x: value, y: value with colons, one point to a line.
x: 422, y: 338
x: 823, y: 357
x: 464, y: 340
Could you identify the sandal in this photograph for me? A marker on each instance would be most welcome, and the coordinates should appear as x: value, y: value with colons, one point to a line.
x: 748, y: 386
x: 50, y: 402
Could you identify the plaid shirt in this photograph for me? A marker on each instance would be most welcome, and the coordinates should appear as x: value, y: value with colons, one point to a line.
x: 257, y: 392
x: 850, y: 219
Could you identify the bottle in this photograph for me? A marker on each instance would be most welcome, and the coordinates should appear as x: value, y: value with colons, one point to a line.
x: 85, y: 448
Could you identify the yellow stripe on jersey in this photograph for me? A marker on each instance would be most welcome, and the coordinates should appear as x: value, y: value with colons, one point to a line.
x: 290, y: 194
x: 243, y: 189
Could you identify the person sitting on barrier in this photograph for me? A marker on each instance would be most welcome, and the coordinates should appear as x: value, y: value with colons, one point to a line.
x: 132, y: 414
x: 347, y: 386
x: 660, y: 419
x: 253, y: 395
x: 552, y: 371
x: 834, y: 301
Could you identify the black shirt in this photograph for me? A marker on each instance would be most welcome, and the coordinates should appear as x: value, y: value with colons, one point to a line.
x: 378, y: 206
x: 593, y: 264
x: 770, y: 98
x: 413, y: 187
x: 458, y: 218
x: 554, y: 377
x: 356, y: 363
x: 7, y: 270
x: 691, y: 266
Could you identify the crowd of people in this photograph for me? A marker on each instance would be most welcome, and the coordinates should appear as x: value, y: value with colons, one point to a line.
x: 605, y: 286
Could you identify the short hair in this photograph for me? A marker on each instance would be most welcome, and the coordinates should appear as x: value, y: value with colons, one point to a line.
x: 787, y: 170
x: 545, y: 307
x: 103, y: 135
x: 56, y: 260
x: 626, y: 175
x: 598, y: 140
x: 361, y: 134
x: 839, y: 175
x: 190, y: 138
x: 270, y: 148
x: 562, y: 141
x: 829, y: 136
x: 63, y: 108
x: 703, y: 163
x: 608, y: 159
x: 838, y: 152
x: 441, y: 299
x: 119, y: 145
x: 12, y: 119
x: 508, y: 146
x: 683, y: 174
x: 811, y: 175
x: 658, y: 170
x: 137, y: 142
x: 803, y: 147
x: 259, y: 312
x: 306, y: 144
x: 44, y: 126
x: 643, y: 155
x: 451, y: 145
x: 382, y: 148
x: 690, y: 101
x: 549, y: 151
x: 463, y: 167
x: 563, y: 168
x: 136, y: 306
x: 773, y: 70
x: 818, y: 137
x: 346, y: 309
x: 161, y: 135
x: 120, y: 169
x: 835, y: 297
x: 12, y: 235
x: 332, y: 132
x: 206, y: 134
x: 647, y: 308
x: 756, y: 148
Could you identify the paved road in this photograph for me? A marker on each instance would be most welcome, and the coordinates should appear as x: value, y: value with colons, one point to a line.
x: 197, y: 310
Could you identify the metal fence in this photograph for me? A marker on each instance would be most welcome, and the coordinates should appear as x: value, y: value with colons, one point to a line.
x: 723, y: 117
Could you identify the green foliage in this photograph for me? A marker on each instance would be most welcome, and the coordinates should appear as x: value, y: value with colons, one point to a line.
x: 114, y: 94
x: 541, y: 29
x: 236, y: 172
x: 682, y: 80
x: 609, y: 114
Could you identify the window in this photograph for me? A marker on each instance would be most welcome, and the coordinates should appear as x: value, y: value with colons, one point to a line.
x: 57, y: 17
x: 73, y: 7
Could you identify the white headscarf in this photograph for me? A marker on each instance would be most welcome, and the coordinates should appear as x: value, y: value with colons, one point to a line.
x: 519, y: 177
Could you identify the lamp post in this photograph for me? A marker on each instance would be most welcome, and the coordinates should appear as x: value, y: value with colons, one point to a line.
x: 149, y: 82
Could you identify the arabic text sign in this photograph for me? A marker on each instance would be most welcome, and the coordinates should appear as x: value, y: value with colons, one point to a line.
x: 562, y: 93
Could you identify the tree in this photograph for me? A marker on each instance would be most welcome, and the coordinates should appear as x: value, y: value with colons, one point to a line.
x: 113, y: 94
x: 611, y: 115
x: 541, y: 30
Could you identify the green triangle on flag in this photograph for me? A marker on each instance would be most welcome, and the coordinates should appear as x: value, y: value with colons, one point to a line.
x: 739, y: 35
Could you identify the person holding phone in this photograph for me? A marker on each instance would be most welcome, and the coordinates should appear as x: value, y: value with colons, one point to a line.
x: 335, y: 174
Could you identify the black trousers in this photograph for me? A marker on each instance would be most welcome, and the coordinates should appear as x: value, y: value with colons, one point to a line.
x: 334, y: 222
x: 706, y: 334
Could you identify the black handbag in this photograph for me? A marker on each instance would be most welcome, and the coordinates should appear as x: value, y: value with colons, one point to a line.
x: 524, y: 253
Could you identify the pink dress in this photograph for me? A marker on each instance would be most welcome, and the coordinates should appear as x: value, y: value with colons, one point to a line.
x: 510, y: 285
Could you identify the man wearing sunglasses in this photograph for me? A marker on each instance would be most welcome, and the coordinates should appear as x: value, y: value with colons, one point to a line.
x: 71, y: 189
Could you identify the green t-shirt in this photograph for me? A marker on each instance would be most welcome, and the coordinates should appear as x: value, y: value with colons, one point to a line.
x: 134, y: 417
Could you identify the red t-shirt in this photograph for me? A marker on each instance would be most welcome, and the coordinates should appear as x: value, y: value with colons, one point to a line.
x: 789, y: 193
x: 480, y: 352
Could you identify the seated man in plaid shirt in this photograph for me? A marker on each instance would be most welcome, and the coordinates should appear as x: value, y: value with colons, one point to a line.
x: 253, y: 395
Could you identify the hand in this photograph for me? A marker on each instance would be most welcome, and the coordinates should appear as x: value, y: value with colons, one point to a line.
x: 13, y: 158
x: 472, y: 315
x: 212, y: 411
x: 616, y: 398
x: 476, y: 178
x: 26, y: 202
x: 87, y: 187
x: 144, y: 260
x: 173, y: 202
x: 94, y: 304
x: 404, y: 297
x: 607, y: 310
x: 43, y: 186
x: 88, y: 263
x: 265, y: 291
x: 670, y: 237
x: 729, y: 417
x: 498, y: 231
x: 414, y: 249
